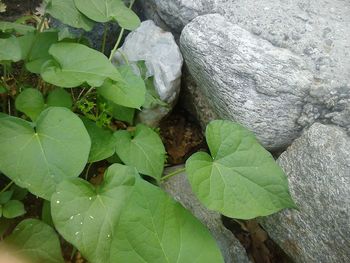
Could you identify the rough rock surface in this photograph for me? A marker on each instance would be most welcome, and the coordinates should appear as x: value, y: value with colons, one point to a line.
x: 179, y: 188
x: 318, y: 169
x: 247, y: 78
x: 315, y: 30
x: 163, y: 60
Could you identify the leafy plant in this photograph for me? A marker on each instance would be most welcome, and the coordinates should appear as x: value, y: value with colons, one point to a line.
x: 62, y: 108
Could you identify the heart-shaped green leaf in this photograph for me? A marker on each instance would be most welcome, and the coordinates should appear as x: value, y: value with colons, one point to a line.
x: 65, y: 11
x: 129, y: 93
x: 5, y: 197
x: 126, y: 219
x: 35, y: 49
x: 240, y: 179
x: 31, y: 102
x: 9, y: 27
x: 102, y: 141
x: 106, y: 10
x: 39, y: 156
x: 75, y: 64
x: 35, y: 241
x: 12, y: 209
x: 10, y: 49
x: 143, y: 149
x: 59, y: 98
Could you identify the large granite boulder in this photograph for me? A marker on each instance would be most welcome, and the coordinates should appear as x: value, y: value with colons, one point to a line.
x: 316, y: 31
x: 247, y: 78
x: 318, y: 169
x: 163, y: 60
x: 180, y: 189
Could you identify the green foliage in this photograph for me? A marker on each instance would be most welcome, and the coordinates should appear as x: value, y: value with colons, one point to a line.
x: 36, y: 241
x: 130, y: 92
x: 10, y: 49
x: 240, y: 179
x: 107, y: 10
x: 9, y: 27
x: 88, y: 66
x: 125, y: 218
x: 30, y: 102
x: 134, y: 220
x: 102, y: 141
x: 142, y: 149
x: 9, y: 207
x: 66, y: 11
x: 39, y: 155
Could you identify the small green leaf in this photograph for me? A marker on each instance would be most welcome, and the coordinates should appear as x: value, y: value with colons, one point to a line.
x: 152, y: 98
x: 65, y: 11
x: 18, y: 192
x: 102, y: 141
x: 35, y: 241
x: 107, y: 10
x: 38, y: 52
x: 75, y: 64
x: 5, y: 197
x: 3, y: 90
x: 10, y: 49
x: 46, y: 213
x: 0, y: 211
x: 240, y: 179
x: 126, y: 219
x: 129, y: 93
x: 9, y: 27
x: 143, y: 150
x: 121, y: 113
x: 59, y: 98
x: 31, y: 102
x: 12, y: 209
x: 39, y: 156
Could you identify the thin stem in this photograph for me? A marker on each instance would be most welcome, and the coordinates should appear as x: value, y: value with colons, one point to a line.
x: 105, y: 30
x: 164, y: 178
x: 120, y: 36
x: 116, y: 44
x: 87, y: 171
x: 7, y: 186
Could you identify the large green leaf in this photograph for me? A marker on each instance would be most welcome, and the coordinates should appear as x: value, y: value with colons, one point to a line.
x: 102, y: 141
x: 129, y: 93
x: 240, y: 179
x: 39, y: 156
x: 66, y: 11
x: 106, y: 10
x: 75, y: 64
x: 10, y: 49
x: 127, y: 219
x: 35, y: 241
x: 9, y: 27
x: 31, y: 102
x: 143, y: 149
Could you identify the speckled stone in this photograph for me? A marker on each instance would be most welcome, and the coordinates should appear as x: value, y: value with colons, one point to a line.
x: 318, y: 169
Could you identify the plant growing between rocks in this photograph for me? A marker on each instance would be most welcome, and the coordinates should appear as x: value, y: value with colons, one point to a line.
x: 61, y: 100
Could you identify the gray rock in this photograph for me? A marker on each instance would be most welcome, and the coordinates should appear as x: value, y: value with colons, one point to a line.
x: 163, y: 60
x: 315, y: 30
x: 318, y: 169
x: 247, y: 78
x: 179, y: 188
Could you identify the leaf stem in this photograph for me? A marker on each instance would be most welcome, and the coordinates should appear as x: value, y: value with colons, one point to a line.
x: 7, y: 186
x: 166, y: 177
x: 105, y: 30
x: 120, y: 36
